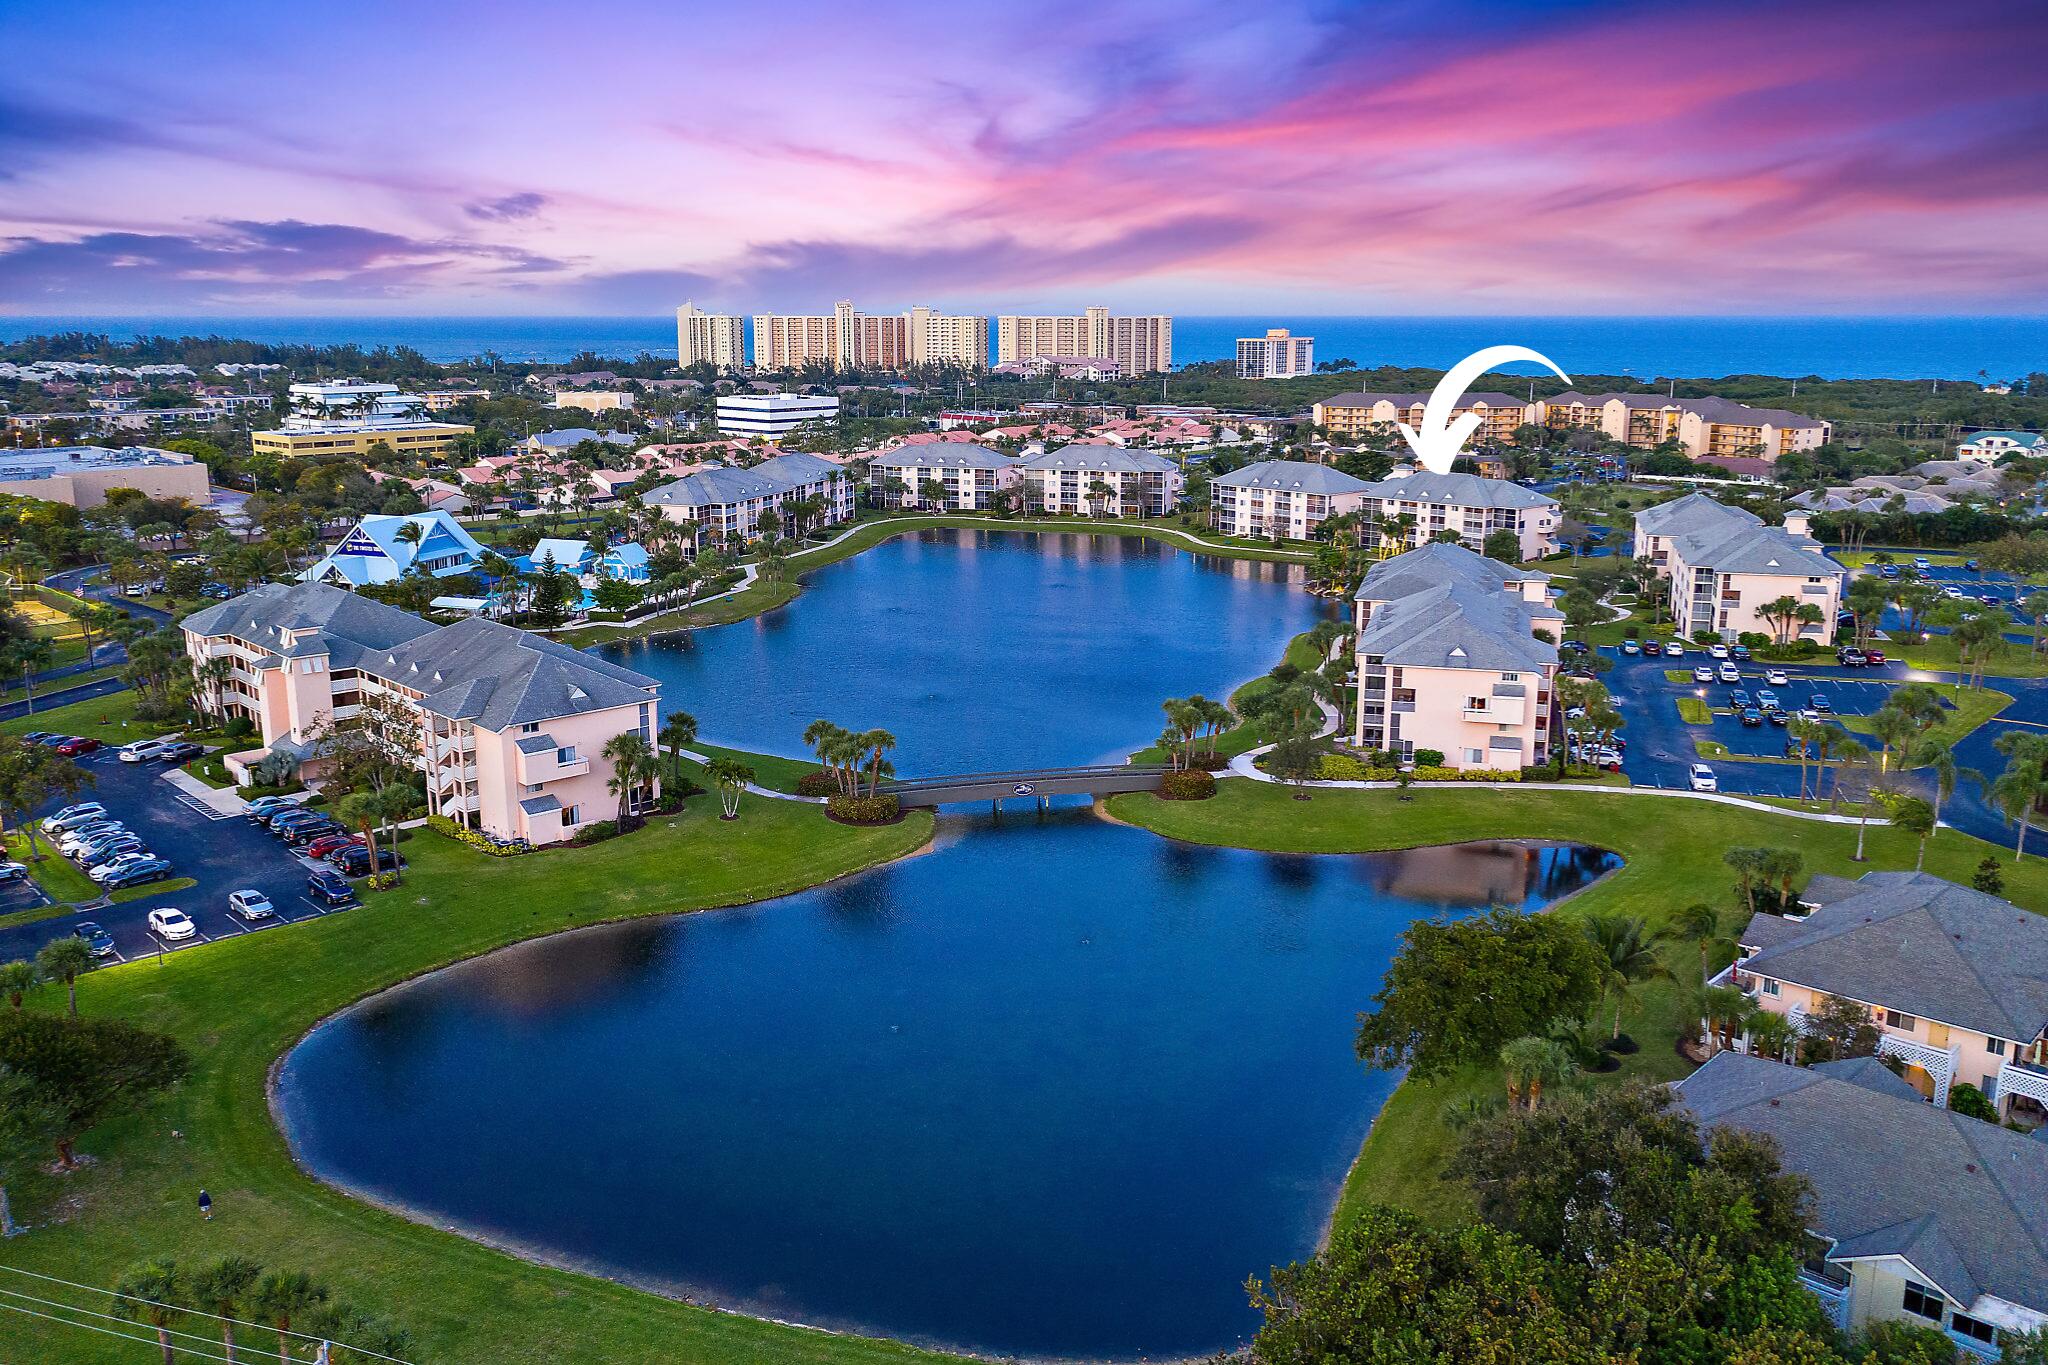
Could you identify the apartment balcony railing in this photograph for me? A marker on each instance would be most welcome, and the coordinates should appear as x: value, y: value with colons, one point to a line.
x: 1834, y: 1298
x: 443, y: 748
x: 1939, y: 1063
x: 2020, y: 1079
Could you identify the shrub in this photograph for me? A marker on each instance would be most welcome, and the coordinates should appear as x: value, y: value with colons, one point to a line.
x: 381, y: 881
x: 1429, y: 758
x: 1340, y: 768
x: 239, y: 727
x: 1988, y: 878
x: 476, y: 839
x: 1210, y: 763
x: 1968, y: 1100
x: 1188, y: 786
x: 1631, y: 631
x: 597, y: 831
x: 818, y: 783
x: 862, y: 810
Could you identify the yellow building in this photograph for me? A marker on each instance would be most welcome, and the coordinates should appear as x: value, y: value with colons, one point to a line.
x: 356, y: 438
x: 1353, y: 414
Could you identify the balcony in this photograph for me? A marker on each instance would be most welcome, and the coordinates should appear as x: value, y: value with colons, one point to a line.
x: 2020, y: 1079
x: 1939, y: 1063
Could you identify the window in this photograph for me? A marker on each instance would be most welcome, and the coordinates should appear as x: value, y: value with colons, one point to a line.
x: 1963, y: 1325
x: 1905, y: 1023
x: 1475, y: 756
x: 1770, y: 986
x: 531, y: 727
x: 1922, y: 1302
x: 573, y: 815
x: 1995, y: 1046
x: 566, y: 755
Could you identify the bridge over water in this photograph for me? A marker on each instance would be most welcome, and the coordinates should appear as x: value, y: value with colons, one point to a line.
x: 1036, y: 784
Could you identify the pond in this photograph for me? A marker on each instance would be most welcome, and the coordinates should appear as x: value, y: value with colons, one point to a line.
x: 983, y: 650
x: 1053, y: 1089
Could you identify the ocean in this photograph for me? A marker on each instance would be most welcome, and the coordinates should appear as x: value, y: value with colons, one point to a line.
x: 1648, y: 348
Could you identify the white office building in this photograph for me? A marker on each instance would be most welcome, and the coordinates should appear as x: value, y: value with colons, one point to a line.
x: 1279, y: 354
x: 773, y: 415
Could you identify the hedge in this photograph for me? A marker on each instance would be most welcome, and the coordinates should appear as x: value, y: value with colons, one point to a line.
x: 862, y: 810
x: 1345, y: 768
x: 818, y: 783
x: 476, y: 839
x: 1193, y: 785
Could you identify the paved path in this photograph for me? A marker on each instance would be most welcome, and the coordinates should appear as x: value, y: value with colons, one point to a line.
x: 768, y: 792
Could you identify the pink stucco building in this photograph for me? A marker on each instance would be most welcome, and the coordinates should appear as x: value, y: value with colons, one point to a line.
x: 509, y: 727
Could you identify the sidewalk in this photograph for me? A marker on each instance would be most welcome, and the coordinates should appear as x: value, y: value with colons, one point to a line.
x: 222, y: 799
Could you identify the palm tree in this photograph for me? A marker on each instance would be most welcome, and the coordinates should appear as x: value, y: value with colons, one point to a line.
x: 1726, y: 1011
x: 1915, y: 817
x: 1467, y: 1110
x: 1630, y: 957
x: 17, y: 979
x: 1771, y: 1035
x: 220, y: 1288
x: 2016, y: 792
x: 1747, y: 863
x: 732, y: 777
x: 1701, y: 923
x: 283, y: 1297
x: 1530, y: 1064
x: 629, y: 757
x: 361, y: 809
x: 875, y: 743
x: 65, y: 959
x: 678, y: 732
x: 1939, y: 755
x: 151, y: 1293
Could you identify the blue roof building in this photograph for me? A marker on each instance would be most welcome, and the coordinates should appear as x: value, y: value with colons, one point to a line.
x: 378, y: 551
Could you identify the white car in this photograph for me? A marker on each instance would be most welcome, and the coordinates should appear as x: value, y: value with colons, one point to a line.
x: 71, y: 817
x: 76, y: 842
x: 1730, y: 673
x: 1703, y: 778
x: 1717, y: 651
x: 142, y: 750
x: 13, y: 872
x: 106, y: 872
x: 1674, y: 649
x: 251, y: 904
x: 1777, y: 677
x: 1807, y: 713
x: 171, y: 924
x: 1702, y: 673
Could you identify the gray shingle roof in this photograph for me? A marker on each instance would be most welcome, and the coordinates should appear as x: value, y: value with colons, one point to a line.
x: 1966, y: 1202
x: 496, y: 676
x: 349, y: 625
x: 946, y: 455
x: 1409, y: 400
x: 721, y: 487
x: 1913, y: 942
x: 535, y: 744
x: 1712, y: 535
x: 1292, y: 476
x: 1107, y: 459
x: 1458, y: 490
x: 1443, y: 606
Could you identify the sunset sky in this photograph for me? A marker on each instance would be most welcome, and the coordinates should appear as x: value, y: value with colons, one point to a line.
x: 1155, y: 154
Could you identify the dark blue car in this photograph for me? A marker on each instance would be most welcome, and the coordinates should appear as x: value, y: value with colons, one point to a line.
x: 97, y: 940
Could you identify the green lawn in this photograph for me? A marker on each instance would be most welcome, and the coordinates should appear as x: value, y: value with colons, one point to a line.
x: 1973, y: 706
x: 770, y: 770
x: 109, y: 719
x: 1247, y: 735
x: 1673, y: 857
x: 16, y: 692
x: 55, y: 874
x: 1694, y: 711
x: 1938, y: 654
x: 148, y: 889
x: 240, y: 1002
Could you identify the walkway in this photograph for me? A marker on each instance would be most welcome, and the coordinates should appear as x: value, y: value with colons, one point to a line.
x: 1040, y: 783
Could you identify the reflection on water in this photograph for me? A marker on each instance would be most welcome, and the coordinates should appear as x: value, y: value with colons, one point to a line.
x: 982, y: 650
x: 1053, y: 1089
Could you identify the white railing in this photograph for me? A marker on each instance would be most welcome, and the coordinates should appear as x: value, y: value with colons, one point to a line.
x: 1940, y: 1063
x: 1834, y: 1298
x: 2014, y: 1079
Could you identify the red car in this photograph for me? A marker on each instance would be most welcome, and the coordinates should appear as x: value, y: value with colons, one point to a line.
x: 328, y: 843
x: 1873, y: 656
x: 78, y: 744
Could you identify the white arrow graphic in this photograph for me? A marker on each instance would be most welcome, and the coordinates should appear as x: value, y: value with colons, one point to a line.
x: 1441, y: 438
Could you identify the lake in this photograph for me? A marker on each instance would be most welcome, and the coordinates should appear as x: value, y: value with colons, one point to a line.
x: 983, y: 650
x: 1053, y: 1089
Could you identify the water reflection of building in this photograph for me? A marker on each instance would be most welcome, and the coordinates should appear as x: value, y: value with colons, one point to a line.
x: 553, y: 974
x: 1460, y: 874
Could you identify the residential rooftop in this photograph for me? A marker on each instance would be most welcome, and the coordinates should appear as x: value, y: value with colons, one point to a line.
x: 1459, y: 490
x: 1292, y: 476
x: 1712, y: 535
x: 1442, y: 606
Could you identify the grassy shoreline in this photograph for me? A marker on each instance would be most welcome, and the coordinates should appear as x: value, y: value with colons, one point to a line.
x: 1668, y: 864
x: 242, y: 1003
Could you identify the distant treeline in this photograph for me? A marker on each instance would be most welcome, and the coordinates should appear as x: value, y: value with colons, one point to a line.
x: 384, y: 362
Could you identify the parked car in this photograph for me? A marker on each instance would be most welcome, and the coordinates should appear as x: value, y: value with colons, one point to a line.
x: 38, y: 736
x: 13, y: 872
x: 1740, y: 652
x: 329, y: 887
x: 85, y: 839
x: 1717, y: 650
x: 1777, y: 677
x: 354, y: 861
x: 141, y: 750
x: 327, y: 843
x: 1819, y: 702
x: 284, y: 825
x: 1631, y: 647
x: 71, y: 816
x: 76, y: 745
x: 122, y: 865
x: 1652, y: 649
x: 1674, y: 649
x: 306, y: 831
x: 1729, y: 673
x: 1738, y: 700
x: 282, y: 819
x: 267, y: 805
x: 120, y: 848
x: 184, y: 751
x: 1851, y: 658
x: 1767, y: 699
x: 52, y: 741
x: 1702, y: 778
x: 1752, y: 717
x: 1873, y: 657
x: 1811, y: 715
x: 1575, y: 646
x: 1890, y: 571
x: 1921, y: 562
x: 138, y: 874
x: 171, y: 923
x: 97, y: 941
x: 1779, y: 717
x: 1702, y: 674
x: 251, y: 904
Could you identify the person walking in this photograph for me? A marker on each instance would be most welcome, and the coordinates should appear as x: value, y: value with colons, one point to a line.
x: 206, y: 1206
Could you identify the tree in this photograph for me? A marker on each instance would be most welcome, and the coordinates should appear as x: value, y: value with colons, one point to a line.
x: 1529, y: 1064
x: 1938, y: 755
x: 91, y: 1069
x: 1772, y: 1035
x: 361, y: 810
x: 1727, y: 1012
x: 1838, y: 1028
x: 731, y: 777
x: 631, y: 760
x: 1629, y: 955
x: 1460, y: 991
x: 678, y: 732
x: 876, y: 743
x: 31, y: 776
x: 283, y: 1297
x: 220, y: 1289
x: 150, y: 1293
x: 17, y: 979
x: 1747, y: 863
x: 1916, y: 817
x: 1503, y: 545
x: 1987, y: 878
x: 2019, y: 789
x: 1700, y: 923
x: 29, y: 1125
x: 65, y: 959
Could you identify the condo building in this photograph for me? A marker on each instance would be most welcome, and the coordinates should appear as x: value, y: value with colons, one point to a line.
x: 1282, y: 499
x: 1448, y: 659
x: 967, y: 476
x: 773, y: 415
x: 1987, y: 446
x: 508, y: 727
x: 1354, y: 414
x: 728, y: 503
x: 1920, y: 1215
x: 1279, y: 354
x: 1138, y: 345
x: 82, y: 476
x: 1726, y: 567
x: 384, y: 550
x: 348, y: 417
x: 849, y: 339
x: 1102, y: 481
x: 1412, y: 510
x: 715, y: 339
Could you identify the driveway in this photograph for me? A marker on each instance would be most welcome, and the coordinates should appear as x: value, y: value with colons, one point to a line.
x: 223, y: 854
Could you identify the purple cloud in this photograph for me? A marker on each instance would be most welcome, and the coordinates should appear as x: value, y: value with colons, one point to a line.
x: 509, y: 209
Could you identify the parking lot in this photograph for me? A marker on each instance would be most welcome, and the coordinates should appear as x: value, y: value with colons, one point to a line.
x: 222, y: 853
